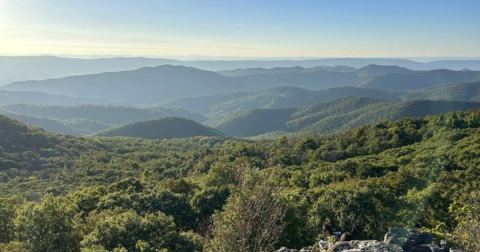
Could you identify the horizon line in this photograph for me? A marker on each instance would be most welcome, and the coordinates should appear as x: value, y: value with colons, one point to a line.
x: 228, y: 58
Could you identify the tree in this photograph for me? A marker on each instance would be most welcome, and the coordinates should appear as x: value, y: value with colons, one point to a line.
x: 253, y: 218
x: 49, y: 226
x: 132, y: 232
x: 8, y: 214
x: 468, y: 217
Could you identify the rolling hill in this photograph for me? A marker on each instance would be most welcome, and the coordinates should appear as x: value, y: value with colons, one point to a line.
x: 164, y: 128
x: 340, y: 114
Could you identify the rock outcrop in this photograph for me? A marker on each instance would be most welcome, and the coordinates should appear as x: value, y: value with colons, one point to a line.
x: 396, y: 240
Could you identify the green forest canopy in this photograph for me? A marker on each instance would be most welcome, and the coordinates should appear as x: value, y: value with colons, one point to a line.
x: 63, y: 193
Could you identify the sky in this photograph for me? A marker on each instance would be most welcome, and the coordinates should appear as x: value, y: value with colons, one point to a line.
x: 241, y: 28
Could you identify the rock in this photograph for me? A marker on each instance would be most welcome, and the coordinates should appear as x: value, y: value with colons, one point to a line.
x: 306, y: 249
x: 365, y: 246
x: 396, y: 240
x: 284, y: 249
x: 424, y: 248
x: 411, y: 240
x: 455, y: 250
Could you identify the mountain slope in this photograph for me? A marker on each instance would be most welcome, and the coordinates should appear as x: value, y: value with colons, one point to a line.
x: 340, y: 114
x: 373, y: 70
x: 278, y: 97
x: 469, y: 91
x: 253, y: 122
x: 164, y: 128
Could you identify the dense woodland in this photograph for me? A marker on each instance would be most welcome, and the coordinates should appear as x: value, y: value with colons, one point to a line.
x: 66, y: 193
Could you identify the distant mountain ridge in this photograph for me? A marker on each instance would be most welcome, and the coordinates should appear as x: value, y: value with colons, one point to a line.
x: 368, y: 70
x: 415, y: 80
x: 151, y: 85
x: 39, y: 98
x: 164, y: 128
x: 284, y: 97
x: 144, y: 85
x: 19, y: 68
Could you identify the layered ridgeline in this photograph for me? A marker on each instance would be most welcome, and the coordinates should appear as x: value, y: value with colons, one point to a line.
x: 454, y: 92
x: 418, y: 80
x: 155, y: 84
x: 163, y: 128
x: 88, y: 119
x: 277, y: 97
x: 327, y: 117
x: 369, y: 70
x: 102, y: 194
x: 27, y: 67
x: 145, y: 85
x: 284, y: 97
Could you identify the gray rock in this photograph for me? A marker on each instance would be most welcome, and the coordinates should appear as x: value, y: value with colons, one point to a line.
x: 307, y: 249
x: 396, y: 240
x: 455, y: 250
x: 365, y: 246
x: 284, y: 249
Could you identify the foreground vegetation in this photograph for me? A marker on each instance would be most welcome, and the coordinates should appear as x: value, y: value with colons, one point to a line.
x: 62, y: 193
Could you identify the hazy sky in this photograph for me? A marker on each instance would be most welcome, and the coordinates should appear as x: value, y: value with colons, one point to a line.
x: 244, y: 28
